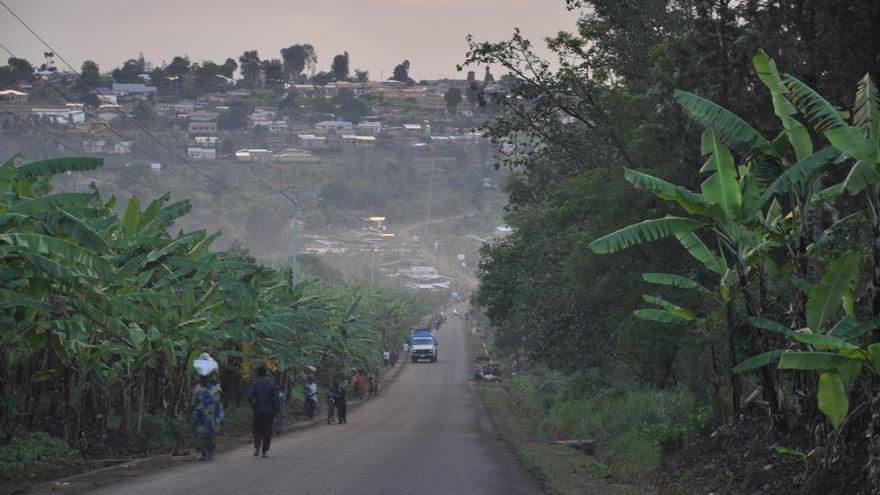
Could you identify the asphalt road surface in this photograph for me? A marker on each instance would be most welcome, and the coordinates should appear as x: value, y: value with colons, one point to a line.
x: 428, y: 433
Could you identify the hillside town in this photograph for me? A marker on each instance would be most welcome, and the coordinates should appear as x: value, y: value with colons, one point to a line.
x: 250, y: 119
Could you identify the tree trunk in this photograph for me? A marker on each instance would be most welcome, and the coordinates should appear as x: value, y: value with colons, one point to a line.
x: 720, y: 416
x: 761, y: 341
x: 139, y: 428
x: 875, y: 278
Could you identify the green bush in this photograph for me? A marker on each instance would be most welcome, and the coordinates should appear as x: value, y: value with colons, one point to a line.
x: 163, y: 433
x: 626, y: 420
x: 35, y: 452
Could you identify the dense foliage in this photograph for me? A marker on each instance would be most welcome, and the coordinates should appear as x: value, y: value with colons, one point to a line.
x: 776, y: 254
x: 101, y: 314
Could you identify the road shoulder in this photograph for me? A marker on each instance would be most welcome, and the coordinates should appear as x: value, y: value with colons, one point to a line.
x: 560, y: 469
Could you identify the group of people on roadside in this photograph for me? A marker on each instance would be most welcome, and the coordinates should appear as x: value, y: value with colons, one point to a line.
x: 263, y: 395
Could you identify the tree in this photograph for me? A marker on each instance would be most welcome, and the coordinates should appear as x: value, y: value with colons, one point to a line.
x: 129, y: 72
x: 289, y: 105
x: 401, y: 73
x: 274, y: 71
x: 91, y: 73
x: 361, y: 76
x: 453, y: 99
x: 472, y: 92
x: 22, y: 70
x: 143, y: 112
x: 488, y: 78
x: 178, y: 67
x: 7, y: 77
x: 322, y: 78
x: 340, y: 67
x: 250, y: 65
x: 349, y: 106
x: 229, y: 67
x: 297, y: 58
x: 227, y: 147
x: 90, y: 99
x: 234, y: 118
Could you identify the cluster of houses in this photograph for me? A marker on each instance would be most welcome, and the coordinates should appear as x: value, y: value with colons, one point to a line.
x: 393, y: 258
x: 278, y: 138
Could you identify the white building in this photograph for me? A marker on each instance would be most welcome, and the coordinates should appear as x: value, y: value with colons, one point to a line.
x: 370, y: 127
x: 94, y: 146
x: 253, y: 155
x: 272, y: 125
x: 61, y: 115
x: 312, y: 141
x: 353, y: 140
x: 120, y: 148
x: 133, y: 89
x: 13, y: 96
x: 333, y: 125
x: 206, y: 140
x: 201, y: 153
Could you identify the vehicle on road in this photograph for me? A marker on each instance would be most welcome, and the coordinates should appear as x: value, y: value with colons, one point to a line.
x: 424, y: 348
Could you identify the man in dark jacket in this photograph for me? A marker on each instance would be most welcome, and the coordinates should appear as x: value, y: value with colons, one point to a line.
x: 338, y: 395
x: 263, y: 397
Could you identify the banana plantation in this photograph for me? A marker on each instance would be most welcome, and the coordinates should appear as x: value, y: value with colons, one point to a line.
x: 102, y: 314
x: 786, y: 234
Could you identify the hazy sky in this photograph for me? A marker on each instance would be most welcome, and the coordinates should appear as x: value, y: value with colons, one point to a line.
x: 378, y: 34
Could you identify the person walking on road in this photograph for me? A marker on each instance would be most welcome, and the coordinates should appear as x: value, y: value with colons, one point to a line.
x: 310, y: 403
x: 209, y: 416
x: 263, y: 398
x: 338, y: 395
x: 386, y: 356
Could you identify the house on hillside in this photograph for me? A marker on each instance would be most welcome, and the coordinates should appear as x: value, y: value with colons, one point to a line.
x: 272, y: 125
x: 206, y: 140
x: 333, y: 126
x: 120, y: 148
x: 107, y: 96
x: 312, y: 141
x: 201, y: 153
x: 354, y: 140
x: 13, y: 97
x: 297, y: 156
x: 370, y: 127
x: 134, y: 90
x: 202, y: 128
x: 253, y: 155
x: 63, y: 116
x: 94, y: 146
x: 203, y: 116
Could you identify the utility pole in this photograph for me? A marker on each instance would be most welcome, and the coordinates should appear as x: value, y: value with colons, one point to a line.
x: 430, y: 190
x: 296, y: 213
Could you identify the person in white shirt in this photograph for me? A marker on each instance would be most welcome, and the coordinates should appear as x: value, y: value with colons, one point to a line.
x: 311, y: 397
x: 386, y: 356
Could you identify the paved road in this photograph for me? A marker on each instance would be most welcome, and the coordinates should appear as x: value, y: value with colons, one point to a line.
x: 427, y: 434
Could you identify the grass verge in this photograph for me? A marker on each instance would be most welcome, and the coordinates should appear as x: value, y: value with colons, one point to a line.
x: 559, y: 469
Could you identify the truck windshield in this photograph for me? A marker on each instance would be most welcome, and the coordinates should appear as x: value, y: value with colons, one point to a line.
x: 423, y: 342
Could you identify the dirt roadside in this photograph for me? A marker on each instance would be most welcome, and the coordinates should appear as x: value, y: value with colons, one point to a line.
x: 130, y: 468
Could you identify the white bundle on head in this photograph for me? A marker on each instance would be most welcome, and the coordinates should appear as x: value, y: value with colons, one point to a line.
x: 205, y: 364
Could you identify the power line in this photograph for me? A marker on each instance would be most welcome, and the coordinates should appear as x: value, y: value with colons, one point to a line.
x: 136, y: 123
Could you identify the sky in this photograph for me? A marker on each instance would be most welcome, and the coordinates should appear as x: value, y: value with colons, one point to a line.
x: 378, y: 34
